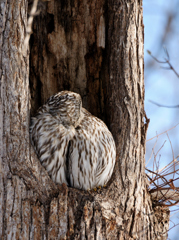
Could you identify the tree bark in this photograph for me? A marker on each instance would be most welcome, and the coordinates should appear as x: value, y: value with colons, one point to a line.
x: 94, y: 48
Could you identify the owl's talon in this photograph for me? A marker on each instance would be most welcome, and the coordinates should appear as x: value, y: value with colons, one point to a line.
x: 96, y: 188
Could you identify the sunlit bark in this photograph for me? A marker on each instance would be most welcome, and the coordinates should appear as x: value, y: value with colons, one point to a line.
x: 94, y: 48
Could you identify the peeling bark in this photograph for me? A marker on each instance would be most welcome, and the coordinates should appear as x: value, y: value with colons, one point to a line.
x: 94, y: 48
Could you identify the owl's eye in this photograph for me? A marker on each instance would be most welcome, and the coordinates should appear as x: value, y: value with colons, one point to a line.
x: 78, y: 127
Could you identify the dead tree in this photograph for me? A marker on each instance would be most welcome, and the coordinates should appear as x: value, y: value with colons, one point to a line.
x: 94, y: 48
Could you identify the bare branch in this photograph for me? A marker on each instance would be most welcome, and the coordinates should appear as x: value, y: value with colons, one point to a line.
x: 172, y: 155
x: 167, y: 61
x: 167, y: 192
x: 163, y: 132
x: 168, y: 166
x: 149, y: 52
x: 152, y: 153
x: 165, y: 106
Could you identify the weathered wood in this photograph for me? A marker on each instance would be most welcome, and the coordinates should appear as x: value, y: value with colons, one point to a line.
x: 94, y: 48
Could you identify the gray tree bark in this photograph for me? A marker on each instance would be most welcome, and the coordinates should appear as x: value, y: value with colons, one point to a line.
x: 94, y: 48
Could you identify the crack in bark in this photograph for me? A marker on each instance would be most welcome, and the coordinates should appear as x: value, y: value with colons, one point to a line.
x: 76, y: 31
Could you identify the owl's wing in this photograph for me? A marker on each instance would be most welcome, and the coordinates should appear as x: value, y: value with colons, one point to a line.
x: 105, y: 148
x: 50, y: 140
x: 106, y: 157
x: 82, y: 160
x: 92, y: 154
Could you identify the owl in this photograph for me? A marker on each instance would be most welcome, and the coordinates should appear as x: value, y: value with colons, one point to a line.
x: 74, y: 146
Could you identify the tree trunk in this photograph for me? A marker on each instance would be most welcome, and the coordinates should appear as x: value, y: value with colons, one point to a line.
x: 94, y: 48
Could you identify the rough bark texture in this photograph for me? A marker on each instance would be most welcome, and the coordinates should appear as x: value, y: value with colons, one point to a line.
x: 94, y: 48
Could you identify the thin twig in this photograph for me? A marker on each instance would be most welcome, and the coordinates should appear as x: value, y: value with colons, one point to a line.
x: 165, y: 106
x: 152, y: 153
x: 172, y: 154
x: 162, y: 132
x: 175, y: 160
x: 167, y: 61
x: 160, y: 176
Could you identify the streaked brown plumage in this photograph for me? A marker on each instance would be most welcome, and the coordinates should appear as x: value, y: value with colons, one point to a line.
x: 75, y: 147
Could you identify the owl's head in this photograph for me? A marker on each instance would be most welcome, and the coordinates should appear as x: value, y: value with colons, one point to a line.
x: 66, y: 107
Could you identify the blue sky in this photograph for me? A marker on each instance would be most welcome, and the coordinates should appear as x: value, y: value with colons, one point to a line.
x: 162, y: 86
